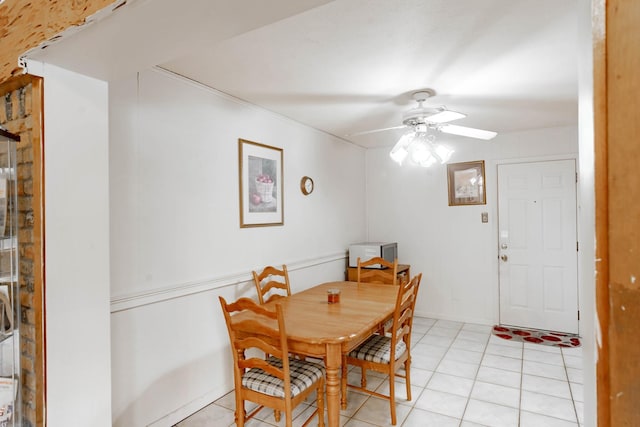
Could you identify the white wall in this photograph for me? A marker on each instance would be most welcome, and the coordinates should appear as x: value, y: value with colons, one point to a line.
x: 176, y: 243
x: 589, y: 324
x: 449, y: 244
x: 78, y: 363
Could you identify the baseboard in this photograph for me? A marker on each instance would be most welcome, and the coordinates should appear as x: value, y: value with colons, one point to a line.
x: 442, y: 316
x: 189, y: 409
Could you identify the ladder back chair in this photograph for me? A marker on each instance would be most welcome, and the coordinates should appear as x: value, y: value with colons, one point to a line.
x: 387, y: 353
x: 272, y: 283
x: 369, y: 273
x: 275, y: 380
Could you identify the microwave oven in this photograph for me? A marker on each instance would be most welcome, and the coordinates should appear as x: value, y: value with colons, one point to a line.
x: 368, y: 250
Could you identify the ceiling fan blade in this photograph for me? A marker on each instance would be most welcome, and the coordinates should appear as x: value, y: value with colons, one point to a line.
x: 366, y: 132
x: 445, y: 116
x: 466, y: 131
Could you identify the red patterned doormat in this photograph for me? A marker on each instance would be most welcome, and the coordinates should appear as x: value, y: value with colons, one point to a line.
x: 559, y: 339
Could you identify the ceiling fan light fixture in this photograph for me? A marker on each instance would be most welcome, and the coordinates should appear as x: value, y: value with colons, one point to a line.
x: 421, y: 128
x: 428, y: 162
x: 424, y: 119
x: 398, y: 155
x: 421, y: 154
x: 470, y: 132
x: 421, y: 148
x: 400, y: 151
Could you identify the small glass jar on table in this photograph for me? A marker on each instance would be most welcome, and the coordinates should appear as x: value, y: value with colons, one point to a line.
x: 333, y: 296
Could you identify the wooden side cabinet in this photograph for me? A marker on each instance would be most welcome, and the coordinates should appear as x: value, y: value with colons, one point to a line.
x: 404, y: 273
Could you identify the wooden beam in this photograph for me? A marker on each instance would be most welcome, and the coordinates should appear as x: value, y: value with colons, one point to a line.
x: 24, y: 24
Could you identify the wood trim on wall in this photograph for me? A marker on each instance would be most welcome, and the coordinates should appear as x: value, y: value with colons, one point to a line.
x: 31, y: 240
x: 617, y: 172
x: 623, y: 199
x: 38, y: 235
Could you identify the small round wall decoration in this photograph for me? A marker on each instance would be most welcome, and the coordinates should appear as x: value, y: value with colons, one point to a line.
x: 306, y: 185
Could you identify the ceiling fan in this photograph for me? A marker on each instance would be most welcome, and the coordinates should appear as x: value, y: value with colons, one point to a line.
x: 423, y: 119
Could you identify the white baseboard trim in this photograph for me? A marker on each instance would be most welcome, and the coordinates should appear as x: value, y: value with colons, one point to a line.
x: 190, y: 408
x: 441, y: 316
x: 179, y: 290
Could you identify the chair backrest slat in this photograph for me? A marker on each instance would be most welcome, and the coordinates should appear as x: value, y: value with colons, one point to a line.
x: 269, y: 280
x: 249, y: 304
x: 262, y: 344
x: 255, y: 362
x: 386, y: 275
x: 271, y: 284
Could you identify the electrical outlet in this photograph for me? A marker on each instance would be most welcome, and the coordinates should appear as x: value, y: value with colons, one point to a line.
x: 485, y: 216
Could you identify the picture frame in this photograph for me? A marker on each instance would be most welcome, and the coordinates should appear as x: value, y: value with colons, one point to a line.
x: 261, y: 192
x: 466, y: 183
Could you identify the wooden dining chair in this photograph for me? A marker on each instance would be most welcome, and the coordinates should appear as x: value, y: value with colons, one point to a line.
x: 272, y: 283
x: 367, y: 273
x: 387, y: 354
x: 275, y: 381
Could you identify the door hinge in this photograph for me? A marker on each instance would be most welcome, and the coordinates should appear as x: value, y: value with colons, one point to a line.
x: 578, y: 314
x: 577, y: 247
x: 576, y: 177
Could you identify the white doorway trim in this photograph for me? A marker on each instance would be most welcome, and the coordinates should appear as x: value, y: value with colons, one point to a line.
x: 538, y: 266
x: 491, y: 171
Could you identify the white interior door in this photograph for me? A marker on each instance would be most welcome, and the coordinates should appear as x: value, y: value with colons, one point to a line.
x: 538, y: 245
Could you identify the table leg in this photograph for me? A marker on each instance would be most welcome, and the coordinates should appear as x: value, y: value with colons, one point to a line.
x: 333, y: 362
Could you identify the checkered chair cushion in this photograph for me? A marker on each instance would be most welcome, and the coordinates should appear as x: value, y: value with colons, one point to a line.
x: 303, y: 375
x: 377, y: 348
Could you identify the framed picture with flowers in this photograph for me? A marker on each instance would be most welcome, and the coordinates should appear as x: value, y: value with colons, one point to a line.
x: 261, y: 193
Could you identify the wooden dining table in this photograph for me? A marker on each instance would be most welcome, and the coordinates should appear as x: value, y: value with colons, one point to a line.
x: 319, y: 329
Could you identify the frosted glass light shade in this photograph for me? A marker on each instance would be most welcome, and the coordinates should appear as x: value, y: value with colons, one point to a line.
x: 444, y: 153
x: 398, y: 154
x: 420, y: 153
x: 421, y: 149
x: 400, y: 151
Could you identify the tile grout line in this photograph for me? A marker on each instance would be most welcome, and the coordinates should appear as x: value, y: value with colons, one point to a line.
x: 521, y: 381
x: 573, y: 401
x: 440, y: 361
x: 475, y: 378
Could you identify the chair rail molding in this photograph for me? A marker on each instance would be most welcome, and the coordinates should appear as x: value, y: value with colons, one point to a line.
x: 138, y: 299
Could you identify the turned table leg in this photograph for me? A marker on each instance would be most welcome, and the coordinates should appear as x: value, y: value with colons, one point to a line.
x: 333, y: 362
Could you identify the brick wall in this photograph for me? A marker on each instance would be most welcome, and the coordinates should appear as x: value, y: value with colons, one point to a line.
x: 20, y: 113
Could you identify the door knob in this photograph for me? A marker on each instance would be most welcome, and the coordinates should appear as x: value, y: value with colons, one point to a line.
x: 504, y: 258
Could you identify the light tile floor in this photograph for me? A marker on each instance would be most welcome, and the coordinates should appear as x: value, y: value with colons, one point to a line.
x: 461, y: 376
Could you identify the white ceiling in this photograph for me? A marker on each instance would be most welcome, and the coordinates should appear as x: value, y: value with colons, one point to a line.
x: 345, y: 66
